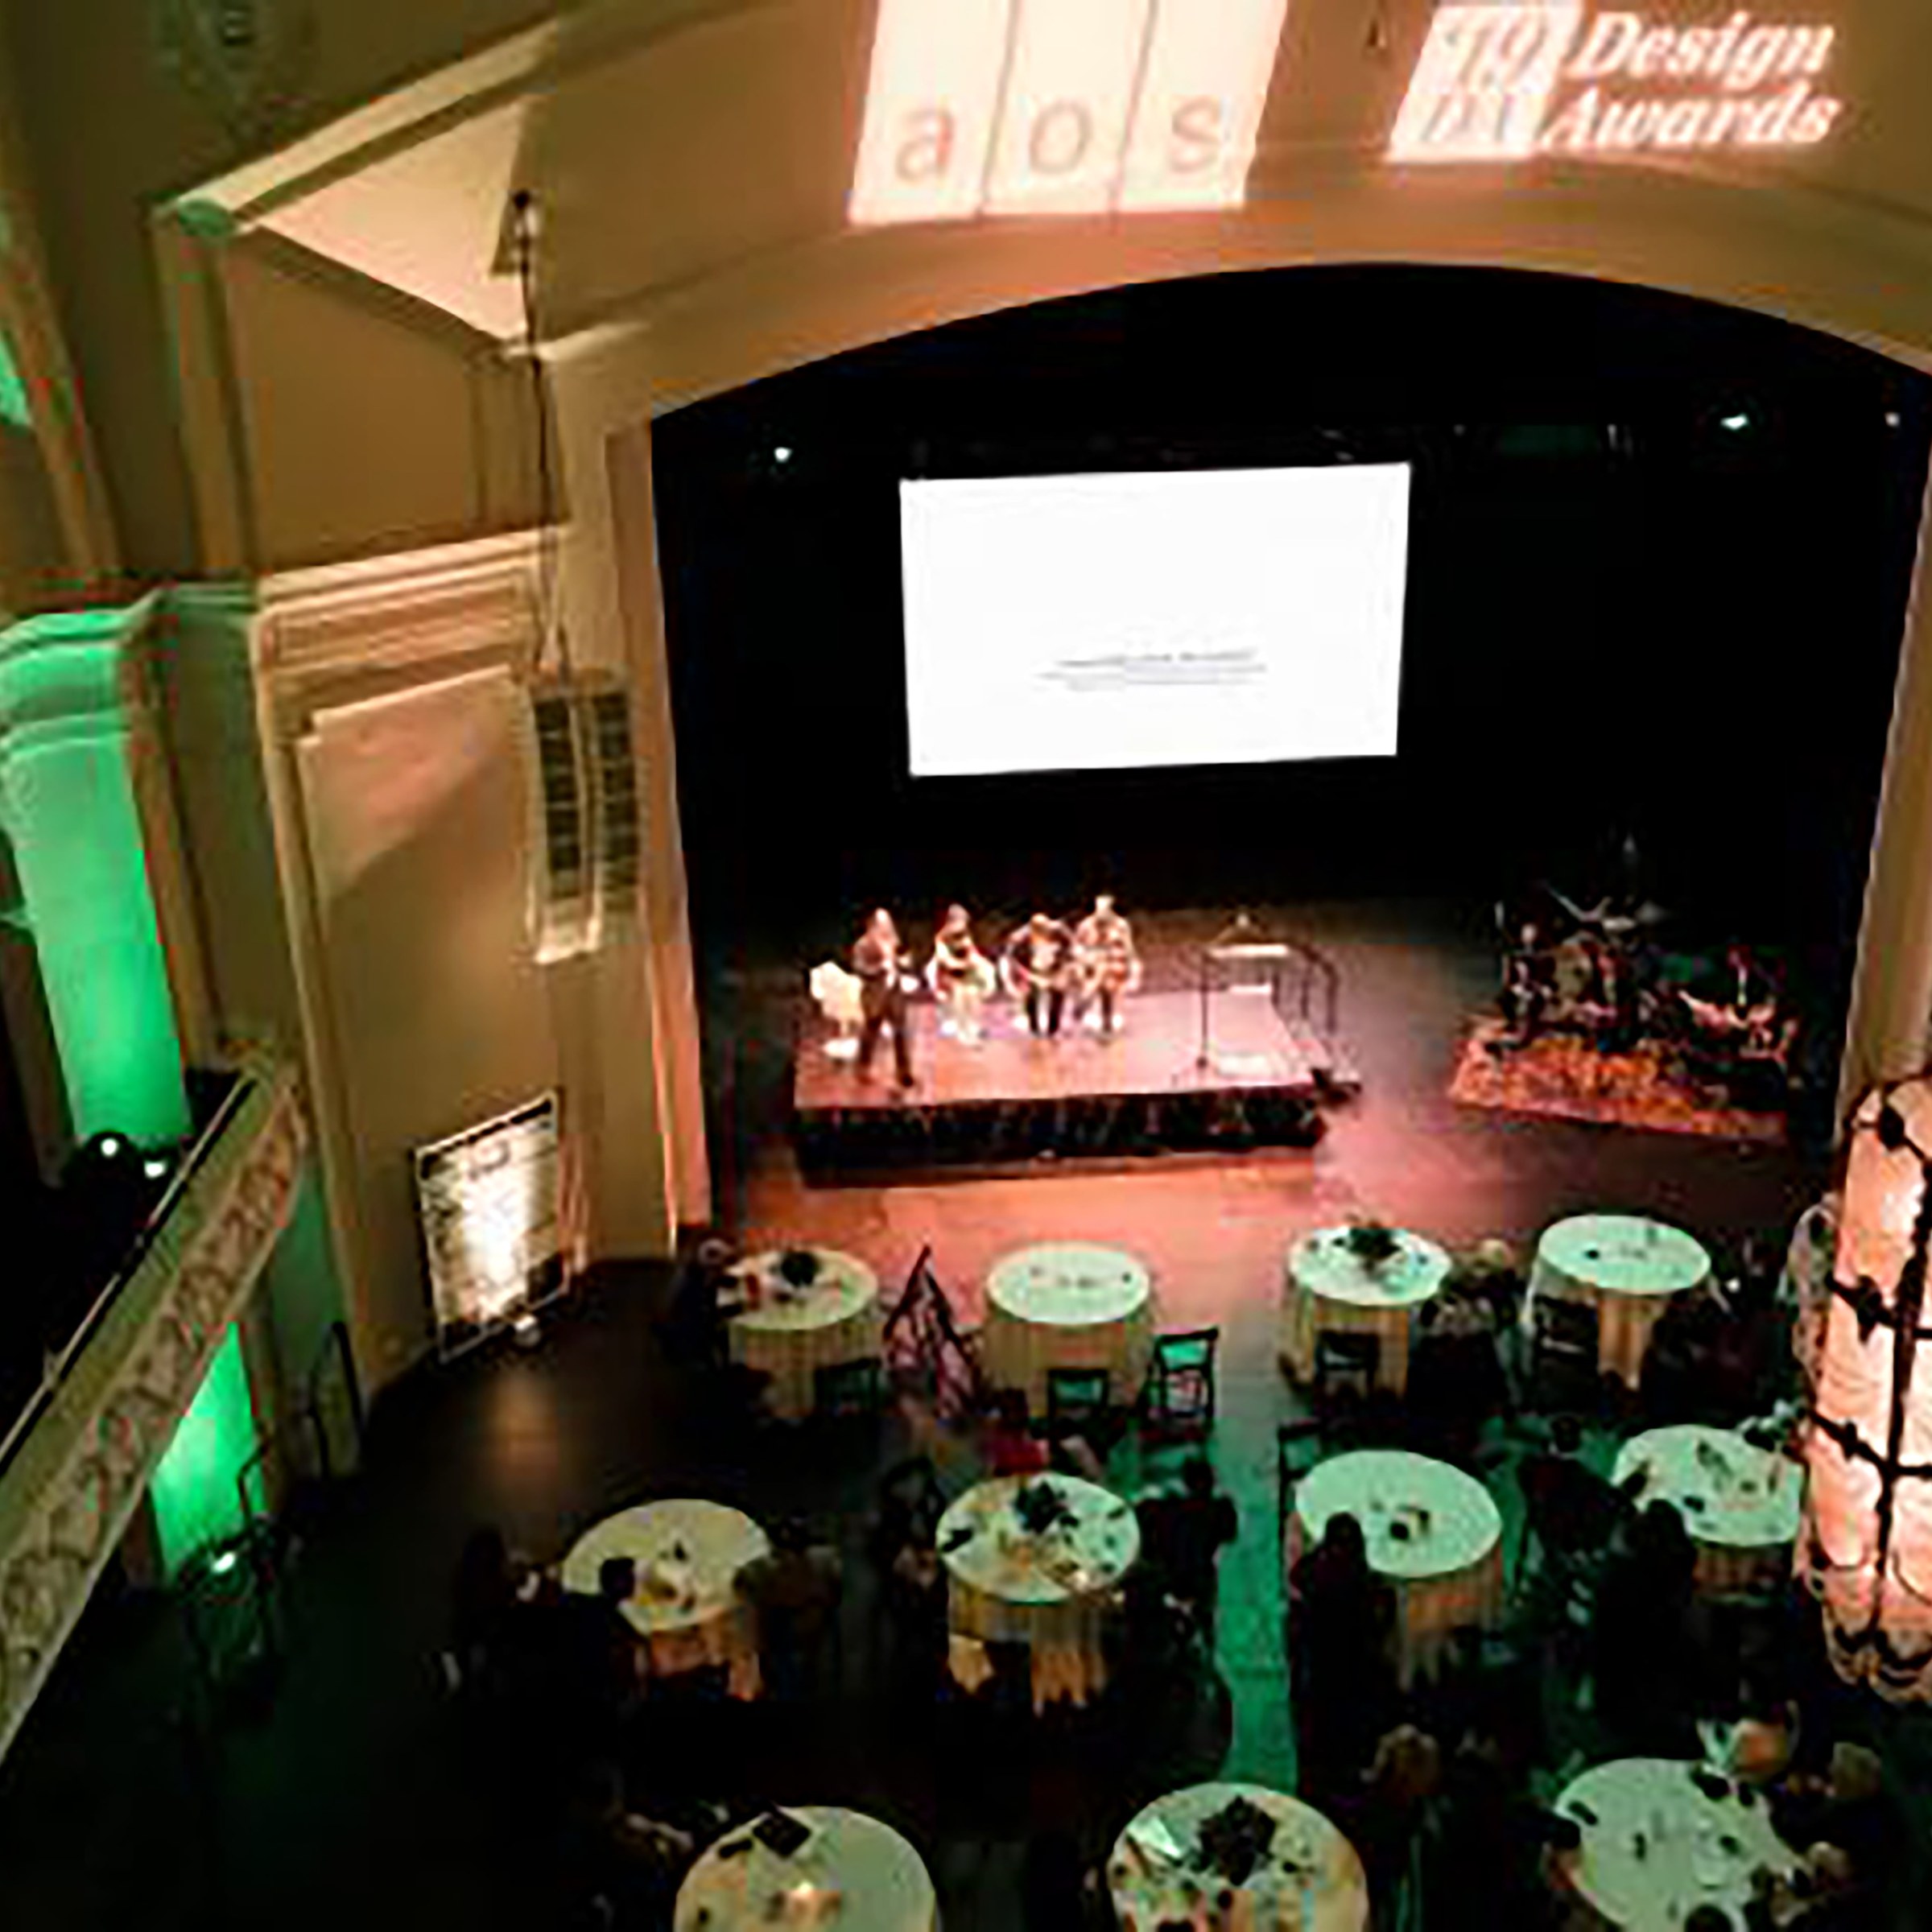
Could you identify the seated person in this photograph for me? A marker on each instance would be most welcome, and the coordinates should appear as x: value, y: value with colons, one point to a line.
x: 1196, y: 1526
x: 1007, y: 1444
x: 1038, y: 967
x: 961, y: 977
x: 1847, y: 1807
x: 1108, y: 967
x: 794, y: 1592
x: 702, y: 1295
x: 1644, y: 1658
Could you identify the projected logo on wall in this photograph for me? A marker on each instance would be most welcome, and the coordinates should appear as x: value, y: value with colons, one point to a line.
x: 1506, y: 79
x: 1061, y: 107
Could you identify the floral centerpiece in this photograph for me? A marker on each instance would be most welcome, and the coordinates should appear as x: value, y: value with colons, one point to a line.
x: 1235, y: 1840
x: 1373, y: 1243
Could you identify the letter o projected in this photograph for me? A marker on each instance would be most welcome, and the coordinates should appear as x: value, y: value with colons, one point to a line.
x: 1048, y: 150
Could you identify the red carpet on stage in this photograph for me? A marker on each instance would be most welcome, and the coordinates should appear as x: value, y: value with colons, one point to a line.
x: 1561, y: 1075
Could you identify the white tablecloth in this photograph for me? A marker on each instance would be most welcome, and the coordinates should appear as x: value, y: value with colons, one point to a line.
x: 1685, y: 1862
x: 881, y: 1881
x: 1312, y: 1881
x: 1740, y: 1504
x: 1447, y: 1569
x: 1067, y: 1304
x: 689, y: 1554
x: 1327, y: 1288
x: 1627, y: 1268
x: 791, y: 1334
x: 1054, y: 1592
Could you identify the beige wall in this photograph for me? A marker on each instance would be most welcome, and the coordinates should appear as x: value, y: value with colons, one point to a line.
x: 416, y: 808
x: 110, y: 133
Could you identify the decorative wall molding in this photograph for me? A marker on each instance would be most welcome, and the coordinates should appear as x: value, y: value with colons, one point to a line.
x: 350, y: 633
x: 67, y: 1496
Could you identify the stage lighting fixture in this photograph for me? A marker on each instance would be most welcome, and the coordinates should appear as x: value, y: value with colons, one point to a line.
x: 782, y: 455
x: 1736, y: 420
x: 1893, y: 418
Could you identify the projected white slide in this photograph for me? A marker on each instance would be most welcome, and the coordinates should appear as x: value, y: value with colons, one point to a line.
x: 1177, y: 617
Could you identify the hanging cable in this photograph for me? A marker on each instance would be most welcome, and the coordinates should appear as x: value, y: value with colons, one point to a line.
x: 549, y: 615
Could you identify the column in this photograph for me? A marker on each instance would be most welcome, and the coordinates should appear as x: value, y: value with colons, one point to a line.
x: 69, y: 711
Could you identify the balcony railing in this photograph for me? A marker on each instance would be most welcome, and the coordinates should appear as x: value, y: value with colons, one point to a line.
x: 75, y: 1463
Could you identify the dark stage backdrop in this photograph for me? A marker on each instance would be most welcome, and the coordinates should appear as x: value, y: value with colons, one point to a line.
x: 1623, y: 615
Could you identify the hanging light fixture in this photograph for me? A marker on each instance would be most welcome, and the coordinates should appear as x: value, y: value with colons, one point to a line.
x: 1866, y: 1549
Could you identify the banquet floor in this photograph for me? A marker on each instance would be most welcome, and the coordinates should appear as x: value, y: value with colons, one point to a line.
x: 353, y: 1798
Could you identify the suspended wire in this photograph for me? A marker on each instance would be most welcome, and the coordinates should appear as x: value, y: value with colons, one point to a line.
x: 550, y: 613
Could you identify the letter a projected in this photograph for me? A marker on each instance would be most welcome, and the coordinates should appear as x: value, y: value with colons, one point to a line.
x: 1025, y: 107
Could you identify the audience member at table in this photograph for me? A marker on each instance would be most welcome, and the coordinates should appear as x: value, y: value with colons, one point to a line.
x: 1340, y: 1620
x: 1483, y: 1862
x: 1759, y: 1747
x: 1201, y: 1522
x: 600, y: 1651
x: 1825, y: 1894
x: 1455, y: 1376
x: 795, y: 1591
x: 627, y: 1866
x: 696, y: 1323
x: 1387, y: 1818
x: 1009, y: 1446
x: 1847, y: 1807
x: 483, y: 1600
x: 1059, y: 1890
x: 1644, y: 1653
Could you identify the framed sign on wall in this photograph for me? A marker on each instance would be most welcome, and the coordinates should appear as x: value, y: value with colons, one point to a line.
x: 492, y: 1204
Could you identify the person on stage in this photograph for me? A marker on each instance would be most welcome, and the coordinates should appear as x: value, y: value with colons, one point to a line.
x: 1108, y: 966
x: 882, y: 963
x: 961, y: 975
x: 1037, y: 967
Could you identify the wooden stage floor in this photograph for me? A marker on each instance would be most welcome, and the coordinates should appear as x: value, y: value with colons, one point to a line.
x: 1156, y: 1053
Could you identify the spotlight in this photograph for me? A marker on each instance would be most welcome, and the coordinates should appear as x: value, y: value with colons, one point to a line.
x: 1893, y: 418
x: 782, y: 455
x: 528, y: 1330
x: 225, y: 1562
x: 153, y: 1169
x: 111, y: 1147
x: 1736, y: 421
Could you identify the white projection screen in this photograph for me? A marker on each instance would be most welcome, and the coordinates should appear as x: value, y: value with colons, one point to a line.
x: 1130, y: 619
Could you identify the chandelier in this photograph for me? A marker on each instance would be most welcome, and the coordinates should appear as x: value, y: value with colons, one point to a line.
x: 1866, y: 1552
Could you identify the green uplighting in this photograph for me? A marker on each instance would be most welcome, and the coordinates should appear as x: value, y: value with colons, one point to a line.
x: 66, y: 802
x: 195, y: 1498
x: 13, y: 392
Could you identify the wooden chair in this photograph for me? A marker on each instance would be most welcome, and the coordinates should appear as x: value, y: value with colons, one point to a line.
x: 848, y: 1391
x: 1077, y: 1403
x: 1348, y: 1364
x: 1564, y: 1346
x: 1297, y: 1448
x: 1178, y: 1399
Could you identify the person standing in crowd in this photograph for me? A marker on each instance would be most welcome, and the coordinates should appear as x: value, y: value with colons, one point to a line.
x: 881, y: 963
x: 1037, y: 967
x: 1108, y: 967
x: 960, y: 976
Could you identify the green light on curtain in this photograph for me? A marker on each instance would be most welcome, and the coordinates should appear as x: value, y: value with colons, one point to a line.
x: 79, y: 850
x: 194, y: 1493
x: 13, y: 392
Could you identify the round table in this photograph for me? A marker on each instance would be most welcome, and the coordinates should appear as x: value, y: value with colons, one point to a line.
x: 1329, y: 1288
x: 1688, y: 1858
x: 1740, y: 1503
x: 686, y: 1609
x: 1053, y: 1591
x: 1435, y: 1533
x: 1310, y: 1880
x: 1627, y: 1268
x: 880, y: 1883
x: 791, y: 1333
x: 1067, y: 1304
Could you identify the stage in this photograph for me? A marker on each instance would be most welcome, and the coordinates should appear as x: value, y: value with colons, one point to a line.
x: 1013, y: 1097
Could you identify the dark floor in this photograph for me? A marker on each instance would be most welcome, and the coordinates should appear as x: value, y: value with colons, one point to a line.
x: 357, y: 1798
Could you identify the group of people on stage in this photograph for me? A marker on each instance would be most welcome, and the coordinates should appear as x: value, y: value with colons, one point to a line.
x: 1045, y: 963
x: 1600, y: 971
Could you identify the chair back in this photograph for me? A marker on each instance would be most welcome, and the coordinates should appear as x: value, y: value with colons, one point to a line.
x: 1297, y: 1448
x: 1179, y: 1396
x: 1076, y: 1398
x: 848, y: 1389
x: 1347, y: 1363
x: 925, y: 1349
x: 1562, y: 1327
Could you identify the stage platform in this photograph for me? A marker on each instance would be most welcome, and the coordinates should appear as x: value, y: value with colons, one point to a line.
x: 1016, y: 1098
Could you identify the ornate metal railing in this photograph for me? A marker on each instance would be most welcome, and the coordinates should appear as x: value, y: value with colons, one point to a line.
x: 108, y: 1406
